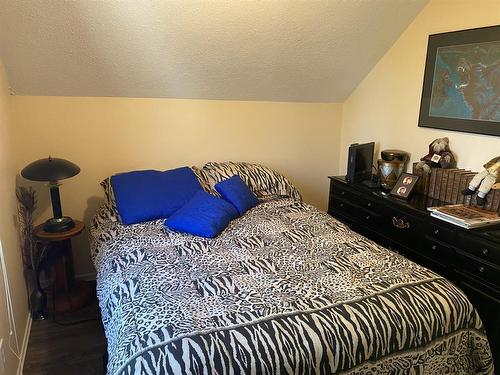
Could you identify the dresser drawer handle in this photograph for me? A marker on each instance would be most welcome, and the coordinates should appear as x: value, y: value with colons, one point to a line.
x: 434, y: 247
x: 342, y: 193
x: 367, y: 217
x: 400, y: 223
x: 481, y: 269
x: 341, y: 204
x: 436, y: 232
x: 369, y: 205
x: 485, y: 251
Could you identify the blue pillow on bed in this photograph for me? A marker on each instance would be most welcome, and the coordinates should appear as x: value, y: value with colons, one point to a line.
x: 204, y: 215
x: 148, y: 195
x: 235, y: 191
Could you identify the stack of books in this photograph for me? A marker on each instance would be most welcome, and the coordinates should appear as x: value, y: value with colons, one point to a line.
x: 467, y: 217
x: 446, y: 185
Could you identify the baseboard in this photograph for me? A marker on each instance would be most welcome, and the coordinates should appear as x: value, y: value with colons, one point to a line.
x: 86, y: 276
x: 24, y: 347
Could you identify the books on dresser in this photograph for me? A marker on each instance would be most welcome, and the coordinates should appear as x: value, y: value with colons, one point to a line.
x: 446, y: 186
x: 467, y: 217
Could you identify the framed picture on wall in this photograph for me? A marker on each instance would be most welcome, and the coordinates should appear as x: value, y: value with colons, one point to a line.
x: 462, y: 82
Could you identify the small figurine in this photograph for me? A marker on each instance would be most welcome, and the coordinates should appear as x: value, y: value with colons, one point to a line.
x: 439, y: 156
x: 484, y: 181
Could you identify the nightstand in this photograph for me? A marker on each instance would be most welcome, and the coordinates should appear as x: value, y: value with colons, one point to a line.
x: 68, y: 294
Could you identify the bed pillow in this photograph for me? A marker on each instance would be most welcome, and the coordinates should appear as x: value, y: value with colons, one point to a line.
x: 110, y: 201
x: 109, y: 205
x: 149, y: 195
x: 109, y: 195
x: 204, y: 215
x: 204, y: 180
x: 263, y: 181
x: 235, y: 191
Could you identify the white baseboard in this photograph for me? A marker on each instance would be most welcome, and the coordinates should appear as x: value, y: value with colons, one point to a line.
x: 24, y: 347
x: 86, y: 276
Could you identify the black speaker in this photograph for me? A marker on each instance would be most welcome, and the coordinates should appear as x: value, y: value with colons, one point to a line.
x: 360, y: 162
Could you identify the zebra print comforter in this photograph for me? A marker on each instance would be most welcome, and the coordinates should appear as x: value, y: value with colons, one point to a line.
x: 285, y: 289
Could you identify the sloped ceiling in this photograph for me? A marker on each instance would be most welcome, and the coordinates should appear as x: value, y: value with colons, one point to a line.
x: 278, y: 50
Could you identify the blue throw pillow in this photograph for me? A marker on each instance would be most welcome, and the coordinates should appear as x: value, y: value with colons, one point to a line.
x: 204, y: 215
x: 148, y: 195
x: 235, y: 191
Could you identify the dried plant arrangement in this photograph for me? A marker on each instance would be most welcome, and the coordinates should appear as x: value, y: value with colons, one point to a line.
x: 33, y: 252
x: 26, y: 198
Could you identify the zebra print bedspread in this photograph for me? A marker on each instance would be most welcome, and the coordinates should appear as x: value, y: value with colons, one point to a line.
x: 285, y: 289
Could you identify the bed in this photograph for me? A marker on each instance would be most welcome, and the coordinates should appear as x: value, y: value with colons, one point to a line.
x: 285, y: 289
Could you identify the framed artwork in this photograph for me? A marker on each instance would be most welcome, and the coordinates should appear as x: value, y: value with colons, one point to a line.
x: 462, y: 82
x: 404, y: 186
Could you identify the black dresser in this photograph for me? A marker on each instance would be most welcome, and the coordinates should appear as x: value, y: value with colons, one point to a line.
x: 469, y: 258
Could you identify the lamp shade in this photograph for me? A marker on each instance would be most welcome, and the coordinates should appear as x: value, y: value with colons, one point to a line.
x: 50, y: 169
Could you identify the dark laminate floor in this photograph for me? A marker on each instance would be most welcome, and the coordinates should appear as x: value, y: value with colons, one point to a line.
x: 77, y: 349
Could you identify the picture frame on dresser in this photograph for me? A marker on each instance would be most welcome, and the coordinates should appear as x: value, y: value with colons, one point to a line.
x: 404, y: 186
x: 461, y: 81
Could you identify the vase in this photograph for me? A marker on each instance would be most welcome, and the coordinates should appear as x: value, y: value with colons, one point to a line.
x: 38, y: 298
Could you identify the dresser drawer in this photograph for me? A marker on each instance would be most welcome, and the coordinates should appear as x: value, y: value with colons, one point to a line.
x: 481, y: 249
x: 369, y: 218
x: 439, y: 232
x: 478, y: 269
x: 371, y: 204
x: 343, y: 191
x: 487, y: 304
x: 343, y: 208
x: 403, y: 228
x: 437, y: 250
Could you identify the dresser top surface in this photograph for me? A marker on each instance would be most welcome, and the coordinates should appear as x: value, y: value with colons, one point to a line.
x: 420, y: 203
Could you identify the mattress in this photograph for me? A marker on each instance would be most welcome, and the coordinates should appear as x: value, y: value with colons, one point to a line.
x: 285, y: 289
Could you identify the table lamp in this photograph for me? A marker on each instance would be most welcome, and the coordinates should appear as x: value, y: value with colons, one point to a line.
x: 52, y: 170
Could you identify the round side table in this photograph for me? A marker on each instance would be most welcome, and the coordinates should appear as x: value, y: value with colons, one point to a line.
x: 68, y: 294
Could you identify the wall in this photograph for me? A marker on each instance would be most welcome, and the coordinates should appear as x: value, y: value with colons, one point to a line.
x: 108, y: 135
x: 304, y: 141
x: 9, y: 234
x: 385, y: 106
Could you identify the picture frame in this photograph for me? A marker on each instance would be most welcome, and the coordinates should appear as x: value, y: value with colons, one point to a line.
x: 405, y: 185
x: 461, y: 89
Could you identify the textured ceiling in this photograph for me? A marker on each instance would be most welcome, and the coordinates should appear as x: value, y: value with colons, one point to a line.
x: 242, y: 50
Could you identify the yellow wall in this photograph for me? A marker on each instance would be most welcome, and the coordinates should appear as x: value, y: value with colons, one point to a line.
x: 385, y: 106
x: 108, y: 135
x: 9, y: 233
x: 305, y: 141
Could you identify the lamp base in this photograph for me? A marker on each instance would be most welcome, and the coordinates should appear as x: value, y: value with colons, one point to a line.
x: 62, y: 224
